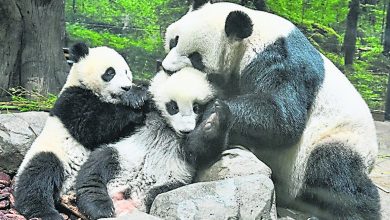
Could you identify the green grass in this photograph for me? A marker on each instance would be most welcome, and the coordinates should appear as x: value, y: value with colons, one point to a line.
x: 24, y: 100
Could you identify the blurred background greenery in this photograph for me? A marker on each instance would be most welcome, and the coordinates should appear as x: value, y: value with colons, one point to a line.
x: 136, y: 29
x: 352, y: 33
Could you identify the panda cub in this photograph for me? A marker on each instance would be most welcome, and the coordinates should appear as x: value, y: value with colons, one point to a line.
x: 89, y: 112
x: 186, y: 130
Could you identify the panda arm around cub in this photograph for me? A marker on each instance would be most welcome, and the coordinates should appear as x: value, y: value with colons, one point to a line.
x: 92, y: 122
x: 277, y: 92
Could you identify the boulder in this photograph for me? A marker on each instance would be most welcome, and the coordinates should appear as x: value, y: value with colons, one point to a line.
x: 234, y: 162
x: 17, y: 132
x: 383, y: 135
x: 245, y: 197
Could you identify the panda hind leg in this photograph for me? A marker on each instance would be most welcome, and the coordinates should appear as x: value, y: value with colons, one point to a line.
x: 38, y: 187
x: 92, y: 196
x: 336, y: 185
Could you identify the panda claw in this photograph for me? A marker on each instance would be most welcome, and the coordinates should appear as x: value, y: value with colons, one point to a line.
x: 211, y: 118
x: 211, y: 126
x: 207, y: 126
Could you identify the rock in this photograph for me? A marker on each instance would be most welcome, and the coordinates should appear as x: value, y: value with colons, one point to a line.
x: 11, y: 215
x: 234, y: 162
x: 5, y: 179
x: 135, y: 215
x: 383, y: 134
x: 246, y: 197
x: 17, y: 132
x: 4, y: 204
x: 291, y: 214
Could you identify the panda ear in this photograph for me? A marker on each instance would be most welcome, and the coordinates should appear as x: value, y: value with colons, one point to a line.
x: 238, y: 25
x: 78, y: 51
x: 158, y: 65
x: 196, y: 4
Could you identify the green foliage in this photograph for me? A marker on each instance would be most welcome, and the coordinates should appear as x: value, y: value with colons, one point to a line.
x: 371, y: 87
x: 24, y: 100
x: 323, y: 22
x: 325, y: 12
x: 129, y: 26
x: 92, y: 37
x: 135, y: 28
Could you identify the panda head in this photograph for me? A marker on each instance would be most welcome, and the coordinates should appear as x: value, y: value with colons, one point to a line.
x: 181, y: 97
x: 101, y: 70
x: 209, y: 37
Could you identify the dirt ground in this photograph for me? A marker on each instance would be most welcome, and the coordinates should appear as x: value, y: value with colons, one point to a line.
x: 381, y: 172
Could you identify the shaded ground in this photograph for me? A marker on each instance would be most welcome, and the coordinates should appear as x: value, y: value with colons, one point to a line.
x: 381, y: 172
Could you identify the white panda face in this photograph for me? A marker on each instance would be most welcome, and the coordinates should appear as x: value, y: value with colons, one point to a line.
x: 103, y: 71
x: 181, y: 97
x: 207, y: 39
x: 182, y: 116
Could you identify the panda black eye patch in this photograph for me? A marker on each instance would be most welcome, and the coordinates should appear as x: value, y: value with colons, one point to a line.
x: 172, y: 107
x: 173, y: 42
x: 109, y: 74
x: 196, y: 61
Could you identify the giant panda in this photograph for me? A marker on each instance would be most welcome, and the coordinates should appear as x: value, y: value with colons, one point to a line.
x: 90, y: 111
x: 186, y: 130
x: 291, y: 106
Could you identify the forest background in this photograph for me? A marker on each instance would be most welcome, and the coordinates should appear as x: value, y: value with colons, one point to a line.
x: 354, y: 34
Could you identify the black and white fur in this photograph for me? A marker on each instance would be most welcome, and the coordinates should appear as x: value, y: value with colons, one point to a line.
x: 186, y: 130
x: 291, y: 106
x: 88, y: 113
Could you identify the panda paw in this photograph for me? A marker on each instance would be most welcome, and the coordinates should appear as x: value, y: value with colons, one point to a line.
x: 136, y: 97
x: 218, y: 122
x: 52, y: 215
x: 98, y: 209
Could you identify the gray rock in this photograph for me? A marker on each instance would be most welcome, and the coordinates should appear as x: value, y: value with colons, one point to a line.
x: 246, y: 197
x: 291, y: 214
x: 383, y: 134
x: 234, y: 162
x: 135, y: 215
x: 17, y: 132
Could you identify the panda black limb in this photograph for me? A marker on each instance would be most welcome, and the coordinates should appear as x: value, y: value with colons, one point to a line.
x: 336, y: 185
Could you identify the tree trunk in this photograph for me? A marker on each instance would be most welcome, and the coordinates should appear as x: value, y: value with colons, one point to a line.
x: 260, y: 5
x: 11, y: 26
x: 387, y: 107
x: 386, y: 44
x: 349, y: 45
x: 31, y: 45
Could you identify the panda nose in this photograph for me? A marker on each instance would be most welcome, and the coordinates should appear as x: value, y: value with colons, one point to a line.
x: 126, y: 88
x: 185, y: 132
x: 169, y: 72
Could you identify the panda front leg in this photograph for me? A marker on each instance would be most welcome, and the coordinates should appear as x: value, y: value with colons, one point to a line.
x: 336, y: 185
x: 38, y: 187
x: 204, y: 144
x: 267, y: 120
x: 92, y: 196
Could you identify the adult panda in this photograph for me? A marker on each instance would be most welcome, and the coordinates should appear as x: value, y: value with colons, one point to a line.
x: 291, y: 106
x: 89, y: 112
x: 185, y: 130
